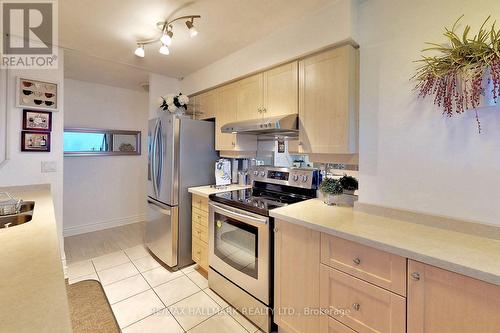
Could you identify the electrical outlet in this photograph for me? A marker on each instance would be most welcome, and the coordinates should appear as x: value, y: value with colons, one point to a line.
x: 49, y: 166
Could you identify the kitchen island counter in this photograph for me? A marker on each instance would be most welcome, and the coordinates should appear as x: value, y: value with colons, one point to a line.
x: 32, y: 288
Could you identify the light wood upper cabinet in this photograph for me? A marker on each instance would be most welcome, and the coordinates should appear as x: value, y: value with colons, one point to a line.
x: 250, y: 97
x: 193, y: 106
x: 440, y: 301
x: 227, y: 106
x: 328, y: 107
x: 206, y: 105
x: 281, y: 90
x: 226, y: 113
x: 296, y: 279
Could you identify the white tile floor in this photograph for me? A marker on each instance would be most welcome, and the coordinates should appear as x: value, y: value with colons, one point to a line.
x: 146, y: 297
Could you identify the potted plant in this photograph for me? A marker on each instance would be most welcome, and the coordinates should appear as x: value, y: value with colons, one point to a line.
x: 349, y: 184
x: 331, y: 189
x: 462, y: 72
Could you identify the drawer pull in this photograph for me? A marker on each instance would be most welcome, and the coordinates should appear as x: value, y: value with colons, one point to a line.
x: 356, y: 306
x: 415, y: 276
x: 356, y: 261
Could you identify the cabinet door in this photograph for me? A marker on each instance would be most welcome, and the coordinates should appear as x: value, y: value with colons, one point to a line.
x: 328, y: 102
x: 296, y: 279
x: 361, y: 305
x: 281, y: 90
x: 440, y: 301
x: 207, y: 104
x: 250, y: 97
x: 381, y: 268
x: 193, y: 106
x: 226, y: 113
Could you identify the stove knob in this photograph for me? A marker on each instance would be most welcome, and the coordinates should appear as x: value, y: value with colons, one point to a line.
x: 295, y: 178
x: 262, y: 173
x: 255, y: 173
x: 304, y: 178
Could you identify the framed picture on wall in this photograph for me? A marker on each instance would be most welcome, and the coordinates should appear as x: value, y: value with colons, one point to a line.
x: 35, y: 141
x: 37, y: 120
x: 36, y: 95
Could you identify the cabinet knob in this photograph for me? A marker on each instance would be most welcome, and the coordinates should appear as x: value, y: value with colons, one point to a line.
x: 264, y: 110
x: 356, y: 261
x: 356, y: 306
x: 275, y: 229
x: 233, y: 143
x: 415, y: 276
x: 259, y: 110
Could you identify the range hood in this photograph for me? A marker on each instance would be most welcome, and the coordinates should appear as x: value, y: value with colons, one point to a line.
x: 285, y: 125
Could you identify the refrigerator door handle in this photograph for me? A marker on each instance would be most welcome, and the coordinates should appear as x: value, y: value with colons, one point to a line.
x: 154, y: 165
x: 159, y: 152
x: 159, y: 208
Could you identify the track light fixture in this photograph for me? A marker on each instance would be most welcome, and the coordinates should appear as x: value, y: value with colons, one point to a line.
x: 167, y: 34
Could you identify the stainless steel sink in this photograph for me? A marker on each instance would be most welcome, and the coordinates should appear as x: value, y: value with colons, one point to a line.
x: 25, y: 215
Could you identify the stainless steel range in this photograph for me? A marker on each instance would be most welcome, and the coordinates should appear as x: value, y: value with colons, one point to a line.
x: 241, y: 242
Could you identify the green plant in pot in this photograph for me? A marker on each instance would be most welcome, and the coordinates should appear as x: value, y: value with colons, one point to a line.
x: 331, y: 189
x: 349, y: 184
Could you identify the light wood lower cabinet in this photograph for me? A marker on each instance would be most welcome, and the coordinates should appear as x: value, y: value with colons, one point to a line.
x: 296, y: 279
x: 361, y: 305
x: 317, y: 271
x: 330, y: 325
x: 378, y: 267
x: 440, y: 301
x: 199, y: 225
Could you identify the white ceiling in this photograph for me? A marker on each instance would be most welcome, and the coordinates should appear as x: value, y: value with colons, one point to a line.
x: 100, y: 35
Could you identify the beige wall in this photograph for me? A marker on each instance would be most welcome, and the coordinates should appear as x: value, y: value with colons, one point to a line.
x: 24, y: 168
x: 105, y: 191
x: 411, y: 157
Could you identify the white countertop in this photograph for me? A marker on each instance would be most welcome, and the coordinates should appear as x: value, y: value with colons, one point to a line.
x: 470, y: 255
x: 32, y: 288
x: 205, y: 191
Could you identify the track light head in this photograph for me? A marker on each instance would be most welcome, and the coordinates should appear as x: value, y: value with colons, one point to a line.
x: 139, y: 51
x: 164, y: 50
x: 192, y: 30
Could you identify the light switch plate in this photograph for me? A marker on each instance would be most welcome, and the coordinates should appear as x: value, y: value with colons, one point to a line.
x: 49, y: 166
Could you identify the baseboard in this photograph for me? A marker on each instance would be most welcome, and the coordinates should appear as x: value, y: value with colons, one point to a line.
x: 102, y: 225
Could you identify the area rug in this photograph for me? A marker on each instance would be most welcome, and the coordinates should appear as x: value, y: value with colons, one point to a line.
x: 89, y: 308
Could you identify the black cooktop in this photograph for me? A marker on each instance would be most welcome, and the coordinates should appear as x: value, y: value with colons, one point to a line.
x: 259, y: 200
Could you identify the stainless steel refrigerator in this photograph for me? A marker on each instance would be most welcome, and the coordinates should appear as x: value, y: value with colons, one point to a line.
x: 181, y: 154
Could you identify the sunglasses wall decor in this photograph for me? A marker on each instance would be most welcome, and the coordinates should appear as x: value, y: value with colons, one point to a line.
x: 37, y: 95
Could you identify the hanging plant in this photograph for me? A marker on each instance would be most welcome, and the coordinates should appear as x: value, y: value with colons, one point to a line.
x: 173, y: 103
x: 463, y: 71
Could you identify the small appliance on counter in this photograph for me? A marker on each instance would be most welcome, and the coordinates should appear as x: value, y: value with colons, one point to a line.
x: 240, y: 237
x: 223, y: 172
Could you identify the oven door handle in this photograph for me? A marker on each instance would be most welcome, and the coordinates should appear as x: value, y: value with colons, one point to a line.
x: 239, y: 215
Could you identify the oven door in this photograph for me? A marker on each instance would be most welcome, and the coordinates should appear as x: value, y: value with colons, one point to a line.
x: 239, y: 248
